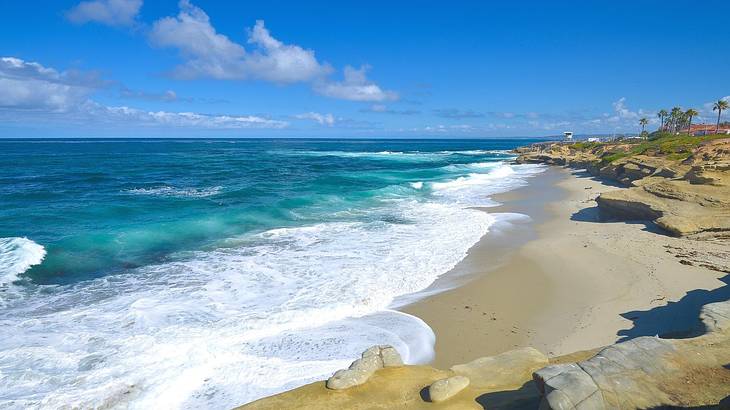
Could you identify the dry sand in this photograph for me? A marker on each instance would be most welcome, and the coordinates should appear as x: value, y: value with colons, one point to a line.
x: 565, y: 281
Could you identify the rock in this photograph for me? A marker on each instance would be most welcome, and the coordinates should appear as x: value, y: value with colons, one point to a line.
x: 687, y: 198
x: 646, y: 372
x: 388, y: 354
x: 367, y: 364
x: 716, y: 316
x: 444, y: 389
x: 677, y: 206
x: 371, y: 360
x: 346, y: 378
x: 391, y: 357
x: 508, y: 369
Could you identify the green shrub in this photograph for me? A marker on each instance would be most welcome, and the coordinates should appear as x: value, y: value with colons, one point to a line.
x: 613, y: 156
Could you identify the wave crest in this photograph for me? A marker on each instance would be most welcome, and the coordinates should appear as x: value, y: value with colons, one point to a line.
x: 17, y: 255
x: 169, y: 191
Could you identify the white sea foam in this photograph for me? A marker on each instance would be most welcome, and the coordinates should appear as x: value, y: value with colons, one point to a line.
x: 176, y: 192
x: 475, y: 188
x: 417, y: 185
x: 277, y: 309
x: 17, y: 255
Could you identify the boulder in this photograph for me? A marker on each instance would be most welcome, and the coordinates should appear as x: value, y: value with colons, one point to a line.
x: 371, y: 360
x: 444, y: 389
x: 346, y: 378
x: 391, y: 357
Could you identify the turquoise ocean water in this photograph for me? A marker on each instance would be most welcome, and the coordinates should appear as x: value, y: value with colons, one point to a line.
x: 208, y: 273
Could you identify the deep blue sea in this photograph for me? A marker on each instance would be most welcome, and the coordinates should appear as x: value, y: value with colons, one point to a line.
x: 156, y: 273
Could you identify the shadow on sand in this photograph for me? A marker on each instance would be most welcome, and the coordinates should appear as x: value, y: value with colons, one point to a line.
x: 526, y: 397
x: 676, y: 320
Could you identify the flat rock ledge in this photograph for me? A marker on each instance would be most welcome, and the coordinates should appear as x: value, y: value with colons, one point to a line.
x: 686, y: 198
x: 646, y: 372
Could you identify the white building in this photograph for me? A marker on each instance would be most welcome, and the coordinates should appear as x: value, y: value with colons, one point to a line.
x: 568, y: 135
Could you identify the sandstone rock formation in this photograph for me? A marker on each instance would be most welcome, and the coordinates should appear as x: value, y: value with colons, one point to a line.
x: 646, y: 372
x: 508, y: 368
x: 686, y: 198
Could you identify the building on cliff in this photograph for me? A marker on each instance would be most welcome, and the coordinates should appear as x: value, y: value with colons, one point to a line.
x: 705, y: 129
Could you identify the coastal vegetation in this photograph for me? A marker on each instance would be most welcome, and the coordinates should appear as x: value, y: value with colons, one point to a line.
x: 659, y: 143
x: 678, y: 120
x: 719, y: 106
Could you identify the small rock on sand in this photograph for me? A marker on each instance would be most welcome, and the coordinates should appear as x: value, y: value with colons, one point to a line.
x: 444, y: 389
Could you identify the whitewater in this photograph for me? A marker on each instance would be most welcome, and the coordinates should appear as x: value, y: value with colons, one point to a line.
x: 214, y: 290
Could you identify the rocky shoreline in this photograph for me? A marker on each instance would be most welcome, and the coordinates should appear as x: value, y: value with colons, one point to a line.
x: 688, y: 197
x: 646, y: 372
x: 685, y: 196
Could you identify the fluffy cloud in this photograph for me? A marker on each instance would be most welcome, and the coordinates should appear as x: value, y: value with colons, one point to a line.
x: 109, y: 12
x: 322, y: 119
x: 213, y: 55
x: 180, y: 119
x: 32, y: 91
x: 29, y: 85
x: 355, y: 87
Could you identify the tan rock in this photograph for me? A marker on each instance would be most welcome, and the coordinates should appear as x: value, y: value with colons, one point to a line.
x: 390, y: 356
x: 444, y: 389
x: 508, y: 369
x: 646, y: 372
x: 346, y: 378
x: 371, y: 360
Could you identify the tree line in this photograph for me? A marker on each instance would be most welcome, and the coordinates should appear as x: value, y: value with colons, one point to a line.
x: 677, y: 118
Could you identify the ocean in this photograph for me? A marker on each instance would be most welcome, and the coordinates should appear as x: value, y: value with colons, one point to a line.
x: 195, y: 273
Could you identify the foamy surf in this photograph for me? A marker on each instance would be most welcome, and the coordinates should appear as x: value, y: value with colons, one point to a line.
x: 176, y: 192
x: 17, y: 255
x: 252, y: 314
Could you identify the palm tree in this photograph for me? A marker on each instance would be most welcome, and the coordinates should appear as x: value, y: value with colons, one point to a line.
x: 719, y: 106
x: 661, y: 114
x: 643, y: 123
x: 690, y: 113
x: 676, y: 115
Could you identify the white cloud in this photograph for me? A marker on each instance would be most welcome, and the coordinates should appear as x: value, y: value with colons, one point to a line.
x: 109, y: 12
x: 31, y: 91
x: 210, y: 54
x: 213, y: 55
x: 183, y: 119
x: 29, y: 85
x: 622, y: 112
x: 322, y: 119
x: 706, y: 112
x: 355, y: 87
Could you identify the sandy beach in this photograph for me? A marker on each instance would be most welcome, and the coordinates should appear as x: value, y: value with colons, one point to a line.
x: 565, y: 281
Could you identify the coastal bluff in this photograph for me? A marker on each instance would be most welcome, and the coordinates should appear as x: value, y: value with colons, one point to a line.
x: 682, y: 184
x: 645, y: 372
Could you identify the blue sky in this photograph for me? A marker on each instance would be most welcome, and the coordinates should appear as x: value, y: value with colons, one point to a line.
x: 378, y: 69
